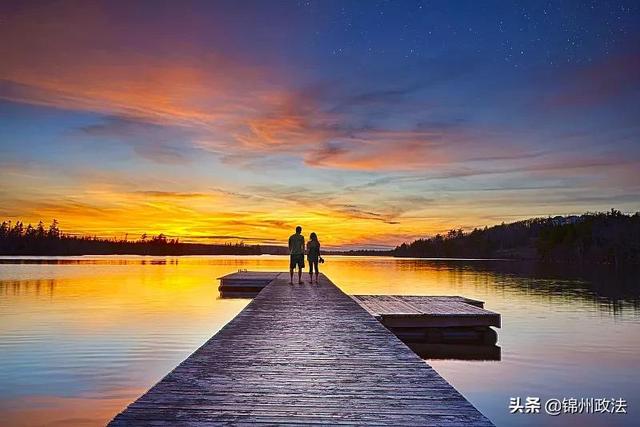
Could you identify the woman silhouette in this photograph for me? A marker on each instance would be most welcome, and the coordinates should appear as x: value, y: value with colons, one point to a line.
x: 313, y: 255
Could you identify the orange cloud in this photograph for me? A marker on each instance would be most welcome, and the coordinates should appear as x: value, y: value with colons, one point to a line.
x: 69, y: 55
x: 381, y: 150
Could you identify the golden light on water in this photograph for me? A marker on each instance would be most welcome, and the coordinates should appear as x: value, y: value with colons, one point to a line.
x: 83, y: 337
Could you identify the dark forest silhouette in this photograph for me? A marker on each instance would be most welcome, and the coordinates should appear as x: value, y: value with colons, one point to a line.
x: 603, y: 238
x: 18, y: 239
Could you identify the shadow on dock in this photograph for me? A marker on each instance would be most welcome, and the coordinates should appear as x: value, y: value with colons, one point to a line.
x: 456, y: 351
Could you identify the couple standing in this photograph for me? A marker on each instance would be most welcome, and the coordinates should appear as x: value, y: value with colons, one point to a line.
x: 297, y: 251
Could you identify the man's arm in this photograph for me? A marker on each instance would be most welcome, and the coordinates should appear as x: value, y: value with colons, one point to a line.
x: 289, y: 244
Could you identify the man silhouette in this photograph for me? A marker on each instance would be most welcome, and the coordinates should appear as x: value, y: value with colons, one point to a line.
x: 296, y: 254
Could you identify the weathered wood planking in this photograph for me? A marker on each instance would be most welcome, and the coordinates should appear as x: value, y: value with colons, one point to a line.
x: 427, y: 311
x: 302, y: 354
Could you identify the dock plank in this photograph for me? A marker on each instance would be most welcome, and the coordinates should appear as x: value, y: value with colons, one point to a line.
x: 301, y: 355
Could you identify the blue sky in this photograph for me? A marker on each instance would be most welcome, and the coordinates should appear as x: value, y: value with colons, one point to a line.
x: 370, y: 123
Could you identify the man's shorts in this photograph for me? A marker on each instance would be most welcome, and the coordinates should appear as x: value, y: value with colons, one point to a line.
x: 296, y: 259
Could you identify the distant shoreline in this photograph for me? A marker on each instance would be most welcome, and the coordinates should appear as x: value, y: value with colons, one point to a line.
x: 599, y: 238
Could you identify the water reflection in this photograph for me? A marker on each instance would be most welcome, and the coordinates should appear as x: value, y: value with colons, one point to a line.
x: 82, y: 337
x: 97, y: 260
x: 35, y: 287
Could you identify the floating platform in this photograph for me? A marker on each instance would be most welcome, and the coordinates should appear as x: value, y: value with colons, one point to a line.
x: 302, y: 354
x: 434, y: 319
x: 245, y: 283
x: 427, y: 311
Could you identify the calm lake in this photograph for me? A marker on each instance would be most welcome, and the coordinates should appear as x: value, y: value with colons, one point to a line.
x: 81, y: 337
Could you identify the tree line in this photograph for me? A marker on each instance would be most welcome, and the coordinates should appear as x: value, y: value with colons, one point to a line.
x: 18, y: 239
x: 603, y: 237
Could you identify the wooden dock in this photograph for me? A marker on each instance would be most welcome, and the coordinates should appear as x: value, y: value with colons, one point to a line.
x: 428, y: 311
x: 437, y: 326
x: 302, y: 354
x: 245, y: 283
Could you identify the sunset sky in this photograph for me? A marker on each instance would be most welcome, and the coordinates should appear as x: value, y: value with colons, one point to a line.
x: 371, y: 123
